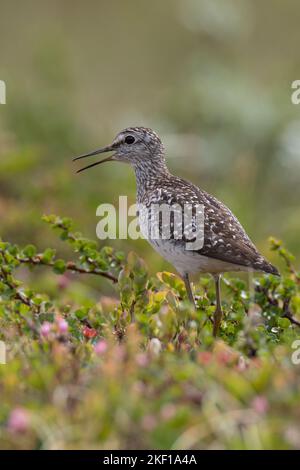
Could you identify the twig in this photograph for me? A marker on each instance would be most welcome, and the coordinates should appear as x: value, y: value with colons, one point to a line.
x: 19, y: 295
x: 287, y: 313
x: 292, y: 319
x: 70, y: 266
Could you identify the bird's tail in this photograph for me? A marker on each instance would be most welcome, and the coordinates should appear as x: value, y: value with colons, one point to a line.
x: 267, y: 267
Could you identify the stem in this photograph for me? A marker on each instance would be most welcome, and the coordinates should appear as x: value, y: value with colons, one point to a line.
x: 287, y: 313
x: 291, y: 318
x: 18, y: 294
x: 71, y: 266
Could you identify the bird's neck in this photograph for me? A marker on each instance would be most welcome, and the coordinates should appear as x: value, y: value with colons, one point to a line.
x: 148, y: 174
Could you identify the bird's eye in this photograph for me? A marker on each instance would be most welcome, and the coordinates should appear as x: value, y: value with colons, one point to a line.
x: 129, y: 139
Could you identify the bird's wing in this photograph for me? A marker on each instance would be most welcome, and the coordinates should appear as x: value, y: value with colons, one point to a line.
x: 224, y: 237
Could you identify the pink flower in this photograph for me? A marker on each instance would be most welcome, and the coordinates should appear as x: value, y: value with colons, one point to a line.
x: 18, y: 420
x: 100, y: 347
x: 45, y: 328
x: 260, y: 404
x: 62, y: 326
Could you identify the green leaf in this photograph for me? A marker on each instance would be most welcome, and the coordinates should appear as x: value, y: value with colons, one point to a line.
x: 59, y: 266
x: 67, y: 222
x: 29, y: 251
x: 48, y: 255
x: 284, y: 322
x: 81, y: 313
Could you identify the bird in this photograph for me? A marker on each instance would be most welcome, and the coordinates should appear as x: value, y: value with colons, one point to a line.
x: 225, y: 245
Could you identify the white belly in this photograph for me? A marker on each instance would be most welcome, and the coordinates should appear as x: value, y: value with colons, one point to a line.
x: 185, y: 261
x: 189, y: 262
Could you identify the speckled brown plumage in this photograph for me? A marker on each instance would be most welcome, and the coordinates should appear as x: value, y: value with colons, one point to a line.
x: 224, y: 237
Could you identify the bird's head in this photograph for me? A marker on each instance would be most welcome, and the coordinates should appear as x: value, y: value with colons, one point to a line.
x: 134, y: 145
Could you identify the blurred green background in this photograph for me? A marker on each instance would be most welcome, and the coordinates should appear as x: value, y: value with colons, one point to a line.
x: 213, y: 78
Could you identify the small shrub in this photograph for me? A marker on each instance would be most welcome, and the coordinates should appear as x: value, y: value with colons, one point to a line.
x: 142, y: 369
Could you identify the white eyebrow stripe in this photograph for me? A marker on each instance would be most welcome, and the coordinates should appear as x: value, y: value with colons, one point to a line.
x: 119, y: 139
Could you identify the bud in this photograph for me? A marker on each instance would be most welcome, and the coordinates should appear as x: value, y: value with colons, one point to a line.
x: 62, y: 326
x: 89, y: 332
x: 45, y: 329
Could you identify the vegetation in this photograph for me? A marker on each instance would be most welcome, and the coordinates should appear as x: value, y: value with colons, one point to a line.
x: 102, y: 353
x: 144, y: 371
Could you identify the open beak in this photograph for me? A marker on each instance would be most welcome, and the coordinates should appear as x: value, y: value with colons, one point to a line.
x: 109, y: 148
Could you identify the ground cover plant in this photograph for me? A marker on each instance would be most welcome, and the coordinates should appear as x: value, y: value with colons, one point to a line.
x: 140, y: 368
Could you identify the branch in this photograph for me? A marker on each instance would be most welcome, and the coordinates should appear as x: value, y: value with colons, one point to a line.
x: 70, y: 266
x: 18, y: 294
x: 287, y: 313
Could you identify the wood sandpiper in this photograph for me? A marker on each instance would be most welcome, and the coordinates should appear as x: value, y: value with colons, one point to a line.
x: 225, y: 246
